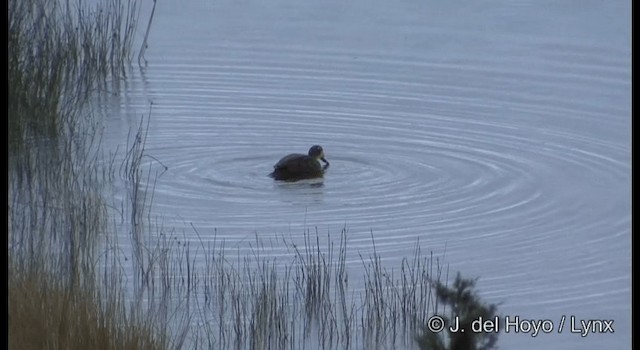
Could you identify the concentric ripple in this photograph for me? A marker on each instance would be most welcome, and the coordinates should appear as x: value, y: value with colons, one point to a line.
x: 406, y: 158
x: 514, y: 162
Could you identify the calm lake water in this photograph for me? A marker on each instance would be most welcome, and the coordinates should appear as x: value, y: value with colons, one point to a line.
x: 495, y: 134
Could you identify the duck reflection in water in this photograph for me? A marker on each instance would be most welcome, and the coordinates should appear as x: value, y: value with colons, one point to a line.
x: 294, y: 167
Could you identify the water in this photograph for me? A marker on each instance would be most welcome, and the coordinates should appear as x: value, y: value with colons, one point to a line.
x: 496, y: 134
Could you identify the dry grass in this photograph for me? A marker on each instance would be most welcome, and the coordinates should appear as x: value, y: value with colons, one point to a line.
x: 45, y: 314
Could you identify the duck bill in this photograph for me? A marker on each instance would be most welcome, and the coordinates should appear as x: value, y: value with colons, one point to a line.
x: 324, y: 160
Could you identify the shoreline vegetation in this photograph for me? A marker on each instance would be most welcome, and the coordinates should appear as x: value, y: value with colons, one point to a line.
x: 78, y: 280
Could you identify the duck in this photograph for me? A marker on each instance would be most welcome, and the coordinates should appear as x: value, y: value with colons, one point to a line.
x: 297, y: 166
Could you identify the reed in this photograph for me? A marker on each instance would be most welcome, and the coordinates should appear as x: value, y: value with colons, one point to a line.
x: 304, y: 298
x: 59, y: 53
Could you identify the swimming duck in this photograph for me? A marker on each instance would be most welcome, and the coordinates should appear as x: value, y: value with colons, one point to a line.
x: 301, y: 166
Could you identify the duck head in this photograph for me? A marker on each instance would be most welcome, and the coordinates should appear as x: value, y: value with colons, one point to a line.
x: 316, y: 152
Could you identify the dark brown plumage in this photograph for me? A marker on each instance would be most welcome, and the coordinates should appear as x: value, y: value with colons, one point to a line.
x: 295, y: 166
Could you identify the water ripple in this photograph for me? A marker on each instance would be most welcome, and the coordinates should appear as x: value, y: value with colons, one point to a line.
x: 507, y: 168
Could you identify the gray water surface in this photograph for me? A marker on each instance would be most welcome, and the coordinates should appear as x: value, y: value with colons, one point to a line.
x: 494, y: 133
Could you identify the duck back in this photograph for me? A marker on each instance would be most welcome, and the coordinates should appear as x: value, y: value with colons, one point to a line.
x: 297, y: 167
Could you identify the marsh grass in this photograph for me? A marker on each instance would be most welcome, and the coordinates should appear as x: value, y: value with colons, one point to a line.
x: 46, y: 313
x: 306, y: 298
x: 59, y: 52
x: 67, y: 288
